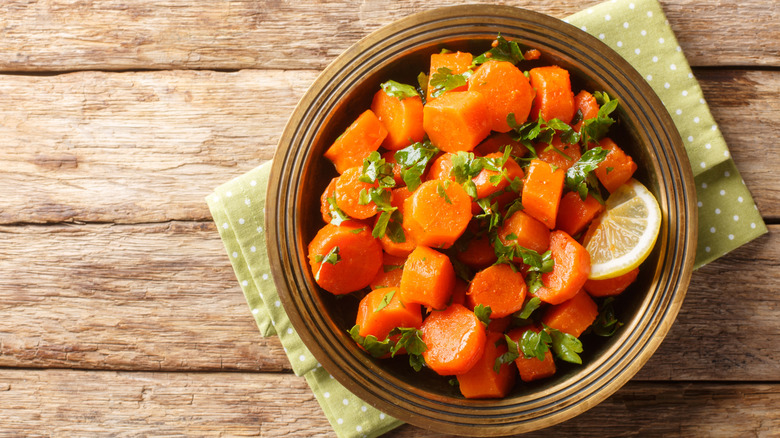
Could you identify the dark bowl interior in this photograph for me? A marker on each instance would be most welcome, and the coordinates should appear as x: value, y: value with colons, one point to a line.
x: 300, y: 173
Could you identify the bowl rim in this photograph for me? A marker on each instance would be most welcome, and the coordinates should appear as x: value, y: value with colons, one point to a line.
x: 298, y: 293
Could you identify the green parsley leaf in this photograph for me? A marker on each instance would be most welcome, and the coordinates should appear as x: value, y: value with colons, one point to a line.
x: 577, y: 117
x: 507, y: 253
x: 370, y: 343
x: 491, y: 213
x: 377, y: 169
x: 413, y: 160
x: 606, y: 324
x: 593, y: 130
x: 441, y: 190
x: 398, y: 90
x: 577, y: 175
x: 422, y: 85
x: 395, y: 230
x: 357, y: 230
x: 610, y: 169
x: 444, y: 80
x: 534, y: 281
x: 336, y: 215
x: 504, y: 50
x: 388, y: 268
x: 483, y: 313
x: 385, y: 301
x: 535, y: 344
x: 411, y: 340
x: 529, y: 307
x: 363, y: 197
x: 465, y: 166
x: 510, y: 356
x: 331, y: 257
x: 564, y: 345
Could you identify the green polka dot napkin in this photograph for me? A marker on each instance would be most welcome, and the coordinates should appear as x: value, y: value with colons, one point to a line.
x: 637, y: 29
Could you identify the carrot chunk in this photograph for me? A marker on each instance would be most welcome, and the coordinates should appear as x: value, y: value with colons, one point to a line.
x: 482, y: 381
x: 542, y: 192
x: 344, y: 258
x: 527, y: 232
x: 617, y: 168
x: 486, y: 187
x: 390, y: 274
x: 570, y: 272
x: 555, y: 151
x: 403, y: 119
x: 441, y: 167
x: 572, y: 316
x: 437, y: 213
x: 382, y: 310
x: 500, y: 288
x: 533, y: 368
x: 611, y: 286
x: 347, y: 192
x: 427, y: 278
x: 361, y: 138
x: 478, y: 253
x: 587, y: 105
x: 324, y: 203
x: 554, y: 98
x: 508, y: 91
x: 497, y: 142
x: 574, y: 214
x: 455, y: 338
x: 400, y: 249
x: 457, y: 121
x: 457, y: 63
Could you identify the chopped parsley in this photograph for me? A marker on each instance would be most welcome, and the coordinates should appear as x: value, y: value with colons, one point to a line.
x: 503, y: 50
x: 577, y: 176
x: 398, y: 90
x: 413, y: 160
x: 444, y: 80
x: 331, y: 257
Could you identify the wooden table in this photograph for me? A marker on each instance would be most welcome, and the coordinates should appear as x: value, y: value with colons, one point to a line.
x: 119, y: 312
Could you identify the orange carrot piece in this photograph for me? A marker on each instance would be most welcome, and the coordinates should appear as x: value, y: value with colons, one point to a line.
x: 542, y: 191
x: 359, y: 257
x: 499, y: 325
x: 572, y: 316
x: 455, y: 338
x: 378, y: 317
x: 441, y: 167
x: 497, y: 142
x: 481, y: 381
x: 486, y: 188
x: 585, y: 103
x: 347, y: 192
x: 457, y: 63
x: 574, y: 214
x: 437, y: 213
x: 571, y: 270
x: 617, y: 168
x: 507, y: 89
x: 402, y: 118
x: 361, y: 138
x: 611, y: 286
x: 457, y: 121
x: 554, y: 97
x: 389, y: 157
x: 459, y: 292
x: 390, y: 274
x: 478, y: 253
x: 532, y: 54
x: 529, y: 232
x: 427, y: 278
x: 533, y: 368
x: 499, y: 287
x: 324, y: 204
x: 399, y: 249
x: 552, y: 153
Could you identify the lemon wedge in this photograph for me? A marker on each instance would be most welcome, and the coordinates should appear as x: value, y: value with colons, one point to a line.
x: 622, y: 237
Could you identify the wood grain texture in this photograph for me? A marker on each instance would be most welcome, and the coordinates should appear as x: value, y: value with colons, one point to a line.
x: 79, y: 403
x: 163, y: 297
x: 67, y: 35
x: 149, y: 146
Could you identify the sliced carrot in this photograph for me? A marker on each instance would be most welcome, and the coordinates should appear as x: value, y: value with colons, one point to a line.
x: 441, y: 168
x: 427, y: 278
x: 361, y: 138
x: 324, y: 203
x: 528, y: 232
x: 455, y: 338
x: 532, y: 54
x: 347, y: 192
x: 399, y: 249
x: 358, y: 258
x: 507, y: 89
x: 572, y: 316
x: 437, y: 213
x: 570, y: 272
x: 611, y: 286
x: 482, y: 381
x: 533, y: 368
x: 478, y: 253
x: 402, y: 117
x: 542, y: 191
x: 497, y: 142
x: 555, y: 151
x: 499, y: 325
x: 390, y: 274
x: 574, y: 214
x: 456, y: 62
x: 378, y: 315
x: 459, y: 292
x: 485, y: 187
x: 500, y: 288
x: 457, y: 121
x: 617, y: 168
x: 587, y: 105
x: 554, y: 98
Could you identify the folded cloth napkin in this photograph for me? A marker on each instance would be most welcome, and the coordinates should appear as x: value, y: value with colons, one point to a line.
x: 638, y: 30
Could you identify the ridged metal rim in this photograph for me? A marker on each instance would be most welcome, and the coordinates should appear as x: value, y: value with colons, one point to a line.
x: 668, y: 169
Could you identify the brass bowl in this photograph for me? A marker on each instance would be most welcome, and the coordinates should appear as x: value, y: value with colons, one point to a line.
x: 299, y: 175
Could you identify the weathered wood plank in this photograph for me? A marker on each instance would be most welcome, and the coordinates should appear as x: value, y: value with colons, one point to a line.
x: 148, y: 146
x: 67, y: 35
x: 163, y: 297
x: 65, y: 402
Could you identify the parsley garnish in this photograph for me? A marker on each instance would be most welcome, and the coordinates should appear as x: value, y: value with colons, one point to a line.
x: 504, y: 50
x: 507, y: 253
x: 508, y: 357
x: 528, y: 308
x: 606, y: 324
x: 385, y: 301
x: 413, y: 160
x: 336, y: 215
x: 370, y: 343
x: 542, y: 131
x: 377, y: 170
x: 388, y: 268
x: 422, y: 85
x: 535, y: 344
x: 444, y: 80
x: 410, y: 340
x: 398, y: 90
x: 596, y: 128
x: 564, y: 345
x: 442, y: 191
x: 577, y: 175
x: 483, y: 313
x: 331, y: 257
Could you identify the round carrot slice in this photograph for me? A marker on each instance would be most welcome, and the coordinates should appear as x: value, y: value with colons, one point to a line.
x: 571, y: 270
x: 455, y: 338
x: 437, y: 213
x: 526, y: 232
x: 508, y: 91
x: 344, y: 258
x: 347, y: 192
x: 500, y: 288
